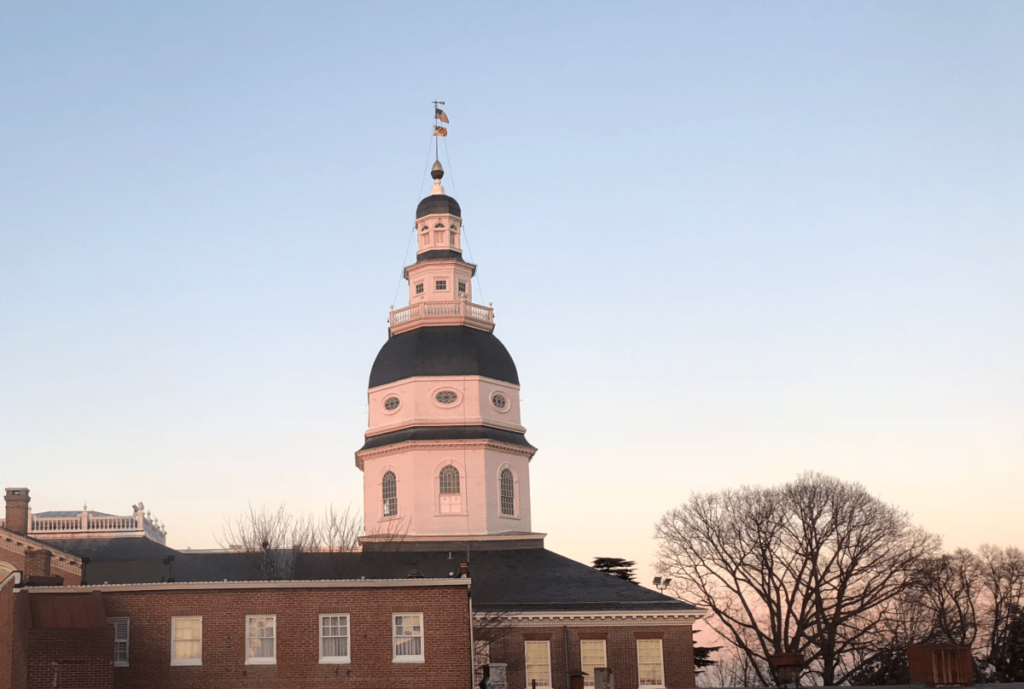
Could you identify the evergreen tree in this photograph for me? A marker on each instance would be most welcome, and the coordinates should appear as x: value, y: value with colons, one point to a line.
x: 616, y: 566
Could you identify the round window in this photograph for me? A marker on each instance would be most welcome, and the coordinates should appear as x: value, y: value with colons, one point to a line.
x: 446, y: 397
x: 499, y: 401
x: 391, y: 403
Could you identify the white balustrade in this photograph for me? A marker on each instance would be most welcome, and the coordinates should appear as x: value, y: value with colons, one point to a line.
x: 85, y: 525
x: 444, y: 309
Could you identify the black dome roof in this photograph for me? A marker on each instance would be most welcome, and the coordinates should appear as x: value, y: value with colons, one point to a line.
x: 454, y: 350
x: 438, y: 203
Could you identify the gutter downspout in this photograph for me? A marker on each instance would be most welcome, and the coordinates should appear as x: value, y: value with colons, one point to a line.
x: 472, y: 641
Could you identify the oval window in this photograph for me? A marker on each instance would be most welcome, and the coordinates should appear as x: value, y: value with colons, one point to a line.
x: 499, y: 401
x: 392, y: 403
x: 446, y: 397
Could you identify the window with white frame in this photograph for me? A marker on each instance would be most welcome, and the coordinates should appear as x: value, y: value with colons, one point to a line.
x: 260, y: 639
x: 407, y: 634
x: 389, y: 493
x: 334, y: 639
x: 650, y: 663
x: 538, y: 663
x: 186, y: 641
x: 507, y: 488
x: 450, y: 490
x: 592, y: 655
x: 120, y: 627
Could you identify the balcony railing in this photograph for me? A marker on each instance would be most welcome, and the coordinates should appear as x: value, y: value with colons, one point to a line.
x: 443, y: 313
x: 88, y: 525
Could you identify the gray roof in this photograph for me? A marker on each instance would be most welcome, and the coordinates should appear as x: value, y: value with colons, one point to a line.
x: 533, y: 579
x: 65, y: 514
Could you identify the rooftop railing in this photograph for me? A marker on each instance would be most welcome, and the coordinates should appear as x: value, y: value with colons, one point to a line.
x: 444, y: 313
x: 87, y: 525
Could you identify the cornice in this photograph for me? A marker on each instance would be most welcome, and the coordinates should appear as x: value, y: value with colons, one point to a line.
x: 443, y: 446
x: 434, y: 379
x: 15, y: 543
x: 608, y: 618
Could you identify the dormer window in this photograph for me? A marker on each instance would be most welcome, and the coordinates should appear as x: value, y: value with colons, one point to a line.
x: 419, y: 288
x: 441, y: 285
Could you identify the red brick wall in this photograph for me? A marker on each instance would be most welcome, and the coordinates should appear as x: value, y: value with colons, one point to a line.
x: 445, y: 621
x: 620, y: 645
x: 79, y: 658
x: 6, y: 633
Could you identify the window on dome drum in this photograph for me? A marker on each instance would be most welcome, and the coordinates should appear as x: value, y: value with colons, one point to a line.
x: 186, y: 641
x: 649, y: 663
x: 499, y: 401
x: 451, y: 493
x: 419, y: 288
x: 592, y: 655
x: 389, y: 488
x: 508, y: 493
x: 446, y: 397
x: 391, y: 403
x: 462, y: 287
x: 120, y: 627
x: 441, y: 285
x: 407, y: 635
x: 334, y: 637
x: 538, y: 663
x: 260, y: 640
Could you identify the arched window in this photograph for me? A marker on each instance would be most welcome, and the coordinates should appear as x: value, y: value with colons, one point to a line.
x: 451, y: 493
x: 389, y: 488
x: 508, y: 492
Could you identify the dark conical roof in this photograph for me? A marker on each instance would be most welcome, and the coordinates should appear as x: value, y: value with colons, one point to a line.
x: 438, y: 203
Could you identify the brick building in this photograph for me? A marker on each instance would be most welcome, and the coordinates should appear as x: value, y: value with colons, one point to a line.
x: 446, y: 480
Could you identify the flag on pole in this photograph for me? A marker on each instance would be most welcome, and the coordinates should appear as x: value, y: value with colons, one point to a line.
x: 440, y: 131
x: 439, y: 114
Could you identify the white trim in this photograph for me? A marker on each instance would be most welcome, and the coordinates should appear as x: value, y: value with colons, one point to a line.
x: 284, y: 584
x: 551, y: 674
x: 385, y: 410
x: 661, y: 643
x: 590, y: 682
x: 516, y: 514
x: 395, y: 658
x: 187, y: 661
x: 251, y: 660
x: 610, y: 618
x: 113, y: 622
x: 447, y: 387
x: 464, y: 379
x: 334, y: 660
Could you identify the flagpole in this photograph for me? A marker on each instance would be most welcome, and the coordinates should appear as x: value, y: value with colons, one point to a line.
x: 436, y: 150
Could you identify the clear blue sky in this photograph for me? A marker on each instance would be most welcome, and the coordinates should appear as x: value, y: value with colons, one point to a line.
x: 725, y: 242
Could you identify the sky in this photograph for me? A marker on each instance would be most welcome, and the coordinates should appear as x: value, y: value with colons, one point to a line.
x: 726, y: 243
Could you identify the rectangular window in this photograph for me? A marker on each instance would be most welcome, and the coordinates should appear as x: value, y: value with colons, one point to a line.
x: 538, y: 663
x: 441, y: 285
x: 419, y: 288
x: 408, y: 637
x: 462, y: 287
x: 592, y: 655
x: 186, y: 641
x: 260, y: 647
x: 120, y: 627
x: 334, y: 638
x: 649, y: 663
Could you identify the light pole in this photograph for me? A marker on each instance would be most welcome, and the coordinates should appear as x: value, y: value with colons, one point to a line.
x: 661, y: 584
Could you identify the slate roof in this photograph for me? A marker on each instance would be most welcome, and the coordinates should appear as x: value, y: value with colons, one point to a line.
x: 443, y: 351
x: 533, y: 579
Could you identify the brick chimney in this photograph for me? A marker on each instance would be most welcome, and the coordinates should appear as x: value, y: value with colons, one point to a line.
x: 37, y: 562
x: 17, y: 510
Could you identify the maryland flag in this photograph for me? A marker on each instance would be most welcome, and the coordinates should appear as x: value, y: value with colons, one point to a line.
x: 440, y: 131
x: 439, y: 115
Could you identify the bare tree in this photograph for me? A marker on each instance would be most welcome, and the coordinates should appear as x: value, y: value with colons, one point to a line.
x: 809, y: 567
x: 274, y: 540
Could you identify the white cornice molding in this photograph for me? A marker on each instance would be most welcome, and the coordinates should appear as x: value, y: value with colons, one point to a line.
x: 465, y: 379
x: 607, y: 618
x: 435, y: 422
x: 249, y: 585
x: 443, y: 446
